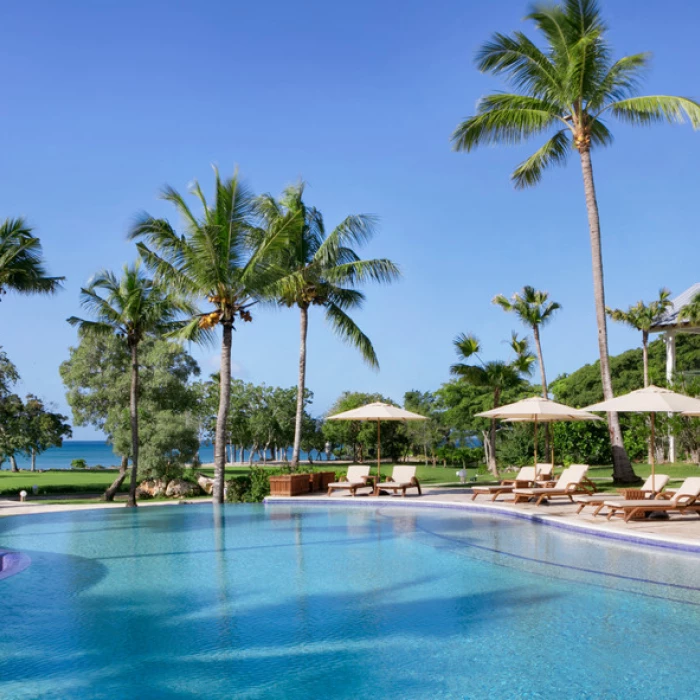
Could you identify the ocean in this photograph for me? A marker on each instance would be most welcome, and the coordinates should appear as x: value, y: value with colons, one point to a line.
x: 95, y: 453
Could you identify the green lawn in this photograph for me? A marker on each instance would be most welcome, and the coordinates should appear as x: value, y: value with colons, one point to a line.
x: 69, y: 481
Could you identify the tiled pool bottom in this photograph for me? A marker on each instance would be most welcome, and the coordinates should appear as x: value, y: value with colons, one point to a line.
x: 305, y: 602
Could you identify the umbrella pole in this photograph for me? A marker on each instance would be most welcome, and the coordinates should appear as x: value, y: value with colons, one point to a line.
x: 653, y: 453
x: 536, y: 447
x: 379, y: 451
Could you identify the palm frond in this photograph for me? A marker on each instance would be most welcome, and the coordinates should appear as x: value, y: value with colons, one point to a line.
x: 642, y: 111
x: 505, y: 118
x: 347, y: 330
x: 553, y: 152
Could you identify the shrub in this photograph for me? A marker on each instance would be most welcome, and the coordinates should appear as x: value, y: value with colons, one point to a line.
x: 79, y: 464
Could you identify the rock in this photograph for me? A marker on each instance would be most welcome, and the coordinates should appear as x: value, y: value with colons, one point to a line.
x: 205, y: 483
x: 151, y: 488
x: 179, y: 488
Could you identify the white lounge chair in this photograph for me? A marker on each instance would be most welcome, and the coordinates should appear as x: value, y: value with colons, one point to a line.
x: 401, y: 478
x: 526, y: 474
x: 598, y: 500
x: 356, y: 478
x: 571, y: 481
x: 686, y: 498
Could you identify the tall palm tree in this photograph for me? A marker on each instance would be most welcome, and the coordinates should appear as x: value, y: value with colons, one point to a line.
x: 642, y: 317
x: 131, y: 307
x: 21, y: 261
x: 321, y: 270
x: 498, y: 376
x: 215, y: 258
x: 534, y: 309
x: 570, y: 86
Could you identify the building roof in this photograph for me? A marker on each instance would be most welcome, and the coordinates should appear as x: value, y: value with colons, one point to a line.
x: 670, y: 318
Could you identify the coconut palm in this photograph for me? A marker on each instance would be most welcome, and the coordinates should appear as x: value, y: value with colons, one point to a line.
x: 214, y: 258
x: 496, y: 375
x: 131, y: 307
x: 534, y: 309
x: 642, y: 317
x: 568, y: 87
x: 21, y: 261
x: 321, y: 270
x: 691, y: 311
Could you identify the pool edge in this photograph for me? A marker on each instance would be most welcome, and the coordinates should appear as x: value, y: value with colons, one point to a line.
x: 580, y: 528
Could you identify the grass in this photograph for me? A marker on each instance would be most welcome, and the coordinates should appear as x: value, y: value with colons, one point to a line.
x: 74, y: 481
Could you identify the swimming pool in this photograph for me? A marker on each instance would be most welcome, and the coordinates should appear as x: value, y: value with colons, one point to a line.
x: 311, y: 602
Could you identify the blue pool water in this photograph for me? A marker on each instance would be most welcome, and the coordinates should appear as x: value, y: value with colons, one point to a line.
x: 312, y: 602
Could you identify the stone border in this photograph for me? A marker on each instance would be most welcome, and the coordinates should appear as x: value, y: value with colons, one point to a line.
x: 647, y: 540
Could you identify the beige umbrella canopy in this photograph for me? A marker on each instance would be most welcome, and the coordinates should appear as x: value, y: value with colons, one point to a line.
x: 537, y: 410
x: 653, y: 400
x: 378, y: 412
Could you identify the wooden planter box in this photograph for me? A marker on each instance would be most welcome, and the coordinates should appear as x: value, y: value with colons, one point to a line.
x: 289, y: 485
x: 315, y: 481
x: 326, y: 478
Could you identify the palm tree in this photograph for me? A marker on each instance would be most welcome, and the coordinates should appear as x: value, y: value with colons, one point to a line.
x: 642, y: 317
x: 534, y: 309
x: 21, y: 264
x: 215, y: 258
x: 691, y: 311
x: 321, y: 270
x: 498, y: 376
x: 131, y: 307
x: 570, y: 86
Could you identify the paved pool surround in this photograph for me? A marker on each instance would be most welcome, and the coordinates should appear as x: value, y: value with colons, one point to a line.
x: 678, y: 533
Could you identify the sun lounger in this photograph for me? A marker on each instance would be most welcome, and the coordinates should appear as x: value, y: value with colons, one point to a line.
x: 570, y: 482
x: 525, y: 475
x: 356, y: 478
x: 401, y: 478
x: 686, y: 498
x: 598, y: 500
x: 543, y: 471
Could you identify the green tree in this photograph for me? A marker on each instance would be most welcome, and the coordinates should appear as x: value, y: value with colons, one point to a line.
x: 642, y: 317
x: 216, y: 259
x: 41, y: 428
x: 133, y: 307
x: 570, y: 86
x: 496, y: 375
x: 21, y: 261
x: 8, y: 373
x: 98, y: 387
x: 427, y: 434
x: 321, y: 270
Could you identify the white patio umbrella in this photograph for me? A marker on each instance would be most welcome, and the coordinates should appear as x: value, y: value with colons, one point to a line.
x: 652, y: 400
x: 378, y: 412
x: 537, y: 410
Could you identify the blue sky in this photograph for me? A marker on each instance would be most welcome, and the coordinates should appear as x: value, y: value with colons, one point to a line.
x: 105, y: 102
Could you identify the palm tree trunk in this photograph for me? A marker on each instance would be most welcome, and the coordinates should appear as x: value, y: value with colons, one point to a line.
x: 116, y: 484
x: 545, y: 392
x: 33, y: 460
x: 492, y: 465
x: 134, y: 417
x: 622, y: 468
x: 645, y: 358
x: 13, y: 462
x: 222, y: 416
x: 304, y: 325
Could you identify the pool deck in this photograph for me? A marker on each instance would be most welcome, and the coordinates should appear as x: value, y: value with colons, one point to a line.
x: 678, y: 532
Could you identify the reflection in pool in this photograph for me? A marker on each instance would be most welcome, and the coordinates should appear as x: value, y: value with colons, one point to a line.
x: 307, y: 602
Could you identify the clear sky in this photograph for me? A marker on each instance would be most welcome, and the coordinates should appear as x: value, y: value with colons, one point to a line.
x: 105, y: 102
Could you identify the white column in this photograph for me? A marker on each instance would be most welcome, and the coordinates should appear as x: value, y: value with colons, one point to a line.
x: 670, y: 340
